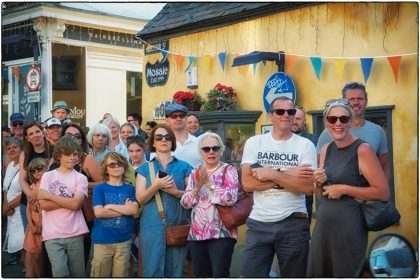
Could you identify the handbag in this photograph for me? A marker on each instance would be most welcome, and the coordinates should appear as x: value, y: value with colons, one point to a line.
x: 175, y: 235
x: 379, y: 215
x: 236, y: 214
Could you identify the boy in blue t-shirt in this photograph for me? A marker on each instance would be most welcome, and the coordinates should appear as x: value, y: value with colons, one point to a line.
x: 114, y: 204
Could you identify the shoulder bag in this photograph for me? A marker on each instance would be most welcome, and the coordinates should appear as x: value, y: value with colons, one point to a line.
x: 379, y: 215
x: 236, y: 215
x: 175, y: 235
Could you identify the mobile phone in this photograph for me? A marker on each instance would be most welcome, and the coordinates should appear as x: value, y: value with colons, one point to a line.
x: 162, y: 174
x: 255, y: 165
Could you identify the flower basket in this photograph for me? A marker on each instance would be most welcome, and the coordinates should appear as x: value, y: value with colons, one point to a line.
x: 221, y: 98
x: 192, y: 100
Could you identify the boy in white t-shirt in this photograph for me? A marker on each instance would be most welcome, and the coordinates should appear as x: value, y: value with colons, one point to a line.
x: 61, y: 196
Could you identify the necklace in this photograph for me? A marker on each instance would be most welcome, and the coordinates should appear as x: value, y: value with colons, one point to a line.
x: 217, y: 166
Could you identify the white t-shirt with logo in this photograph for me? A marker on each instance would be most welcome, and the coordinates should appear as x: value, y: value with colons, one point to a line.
x: 275, y: 204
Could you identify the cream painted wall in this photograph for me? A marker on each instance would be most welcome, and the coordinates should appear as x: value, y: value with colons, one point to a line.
x: 327, y: 30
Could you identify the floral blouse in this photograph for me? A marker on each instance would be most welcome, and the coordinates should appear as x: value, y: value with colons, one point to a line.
x: 205, y: 220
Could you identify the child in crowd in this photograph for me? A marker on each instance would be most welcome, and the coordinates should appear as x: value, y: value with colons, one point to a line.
x: 33, y: 236
x: 114, y: 204
x: 61, y: 196
x: 60, y: 111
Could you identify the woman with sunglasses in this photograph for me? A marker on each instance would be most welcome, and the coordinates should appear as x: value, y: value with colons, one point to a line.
x: 126, y: 130
x: 210, y: 242
x: 13, y: 243
x: 349, y: 173
x: 99, y: 138
x: 171, y: 174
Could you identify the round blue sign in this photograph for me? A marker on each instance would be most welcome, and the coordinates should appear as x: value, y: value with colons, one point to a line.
x: 279, y: 84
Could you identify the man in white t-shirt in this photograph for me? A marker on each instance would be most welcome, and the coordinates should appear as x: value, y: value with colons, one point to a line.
x: 278, y: 223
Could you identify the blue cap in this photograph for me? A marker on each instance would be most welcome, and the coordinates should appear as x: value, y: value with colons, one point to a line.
x: 175, y: 107
x: 17, y: 117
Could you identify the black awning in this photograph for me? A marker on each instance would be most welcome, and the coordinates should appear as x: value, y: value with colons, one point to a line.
x: 256, y: 57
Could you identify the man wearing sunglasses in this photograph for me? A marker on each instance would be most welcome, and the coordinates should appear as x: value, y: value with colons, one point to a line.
x: 356, y: 95
x: 278, y: 223
x: 16, y: 123
x: 186, y: 144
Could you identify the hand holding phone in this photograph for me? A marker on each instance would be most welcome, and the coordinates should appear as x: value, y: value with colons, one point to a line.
x: 162, y: 174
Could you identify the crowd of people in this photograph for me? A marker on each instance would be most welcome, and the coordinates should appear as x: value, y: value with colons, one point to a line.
x: 77, y: 199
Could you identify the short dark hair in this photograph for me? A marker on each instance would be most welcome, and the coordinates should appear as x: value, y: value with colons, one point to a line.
x: 170, y: 132
x: 282, y: 98
x: 195, y: 115
x: 136, y: 139
x: 354, y: 85
x: 136, y: 116
x: 152, y: 124
x: 66, y: 145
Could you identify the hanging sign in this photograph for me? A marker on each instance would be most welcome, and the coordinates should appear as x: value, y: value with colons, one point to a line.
x: 157, y: 74
x: 33, y: 78
x: 192, y: 81
x: 279, y: 84
x: 156, y: 47
x: 33, y: 97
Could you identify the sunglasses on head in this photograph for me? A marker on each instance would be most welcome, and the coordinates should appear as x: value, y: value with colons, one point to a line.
x: 280, y: 112
x: 36, y: 170
x: 76, y: 136
x: 333, y: 119
x: 115, y: 165
x: 340, y: 101
x: 160, y: 137
x: 180, y: 115
x: 214, y: 149
x: 15, y: 124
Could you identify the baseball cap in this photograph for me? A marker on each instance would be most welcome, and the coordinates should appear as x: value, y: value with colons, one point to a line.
x: 60, y: 105
x: 175, y: 107
x: 17, y: 117
x: 52, y: 121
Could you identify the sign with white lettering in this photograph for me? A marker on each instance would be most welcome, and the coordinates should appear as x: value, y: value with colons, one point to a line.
x: 33, y: 78
x: 156, y: 47
x: 279, y: 84
x: 33, y: 96
x: 157, y: 74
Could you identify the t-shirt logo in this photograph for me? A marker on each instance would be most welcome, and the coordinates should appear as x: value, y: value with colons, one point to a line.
x: 283, y: 161
x: 60, y: 189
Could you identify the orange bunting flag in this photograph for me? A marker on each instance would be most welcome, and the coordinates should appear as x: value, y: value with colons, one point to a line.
x: 242, y: 69
x: 290, y: 61
x: 179, y: 61
x: 16, y: 72
x: 207, y: 62
x: 339, y: 65
x: 395, y: 64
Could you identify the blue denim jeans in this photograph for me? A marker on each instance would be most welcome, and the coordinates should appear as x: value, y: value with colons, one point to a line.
x: 66, y: 256
x: 22, y: 209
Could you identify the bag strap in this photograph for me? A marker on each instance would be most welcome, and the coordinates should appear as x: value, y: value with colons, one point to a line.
x: 11, y: 180
x: 157, y: 194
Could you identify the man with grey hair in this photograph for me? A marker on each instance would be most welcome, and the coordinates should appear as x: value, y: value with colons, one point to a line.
x: 369, y: 132
x: 278, y: 223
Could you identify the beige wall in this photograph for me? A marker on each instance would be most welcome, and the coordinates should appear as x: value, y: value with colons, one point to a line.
x: 327, y: 30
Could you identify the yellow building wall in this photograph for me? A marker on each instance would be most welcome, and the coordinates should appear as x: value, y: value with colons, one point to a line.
x: 326, y: 30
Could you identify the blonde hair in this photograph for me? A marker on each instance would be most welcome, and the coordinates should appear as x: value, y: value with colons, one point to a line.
x: 119, y: 158
x: 36, y: 163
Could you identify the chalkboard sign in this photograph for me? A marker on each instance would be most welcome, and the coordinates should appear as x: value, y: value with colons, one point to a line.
x: 157, y: 74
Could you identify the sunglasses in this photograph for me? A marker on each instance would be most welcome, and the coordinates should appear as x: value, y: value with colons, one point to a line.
x: 160, y: 137
x: 115, y: 165
x: 333, y: 119
x: 36, y: 170
x: 214, y: 149
x: 76, y: 136
x: 180, y: 115
x: 280, y: 112
x: 340, y: 101
x: 15, y: 124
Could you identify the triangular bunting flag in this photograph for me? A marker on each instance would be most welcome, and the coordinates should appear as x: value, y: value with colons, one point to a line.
x: 242, y: 69
x: 16, y: 72
x: 254, y: 67
x: 395, y: 64
x: 207, y: 62
x: 264, y: 62
x: 290, y: 61
x: 164, y: 54
x: 339, y: 65
x: 191, y: 59
x: 222, y: 59
x: 366, y: 67
x: 179, y: 60
x: 317, y: 64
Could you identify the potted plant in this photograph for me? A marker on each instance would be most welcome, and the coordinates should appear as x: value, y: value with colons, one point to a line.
x: 221, y: 98
x: 191, y: 100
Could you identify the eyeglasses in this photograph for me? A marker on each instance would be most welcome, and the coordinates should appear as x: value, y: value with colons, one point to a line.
x: 76, y: 136
x: 115, y: 165
x: 333, y: 119
x: 36, y: 170
x: 340, y: 101
x: 214, y: 149
x: 280, y: 112
x: 15, y: 124
x: 180, y: 115
x: 160, y: 137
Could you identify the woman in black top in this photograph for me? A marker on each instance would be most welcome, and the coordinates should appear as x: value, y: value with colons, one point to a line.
x: 349, y: 173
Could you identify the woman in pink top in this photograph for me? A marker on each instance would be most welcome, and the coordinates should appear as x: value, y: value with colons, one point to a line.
x: 210, y: 242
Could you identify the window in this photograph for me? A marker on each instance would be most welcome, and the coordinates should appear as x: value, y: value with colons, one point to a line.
x: 134, y: 84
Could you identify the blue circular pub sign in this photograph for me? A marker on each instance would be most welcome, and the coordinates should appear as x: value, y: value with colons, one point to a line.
x: 279, y: 84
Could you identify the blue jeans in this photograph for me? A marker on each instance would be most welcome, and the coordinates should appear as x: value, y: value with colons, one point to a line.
x: 66, y: 256
x: 288, y: 239
x: 22, y: 209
